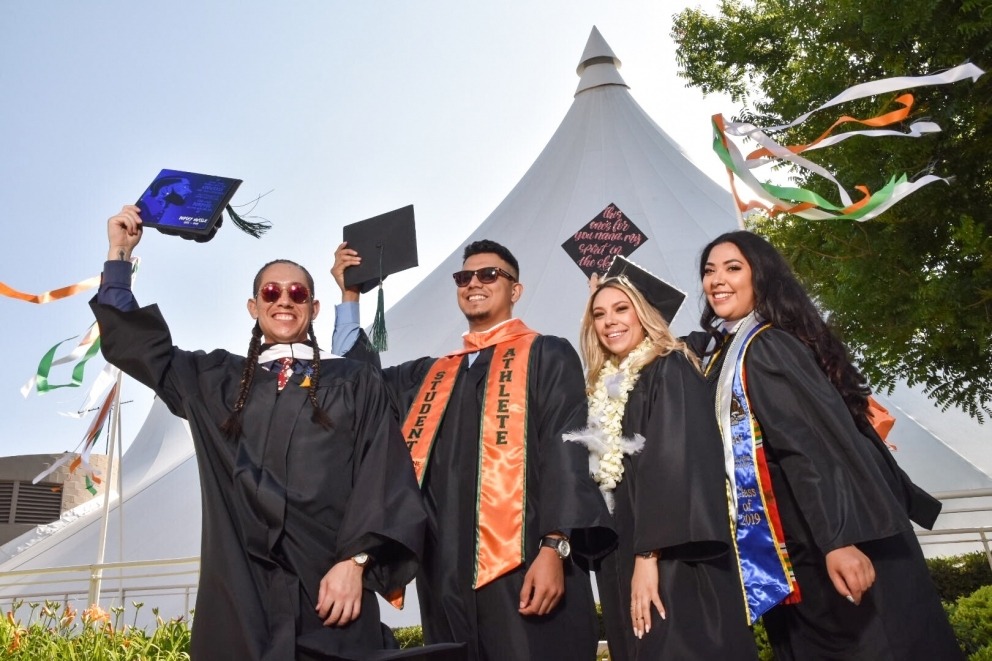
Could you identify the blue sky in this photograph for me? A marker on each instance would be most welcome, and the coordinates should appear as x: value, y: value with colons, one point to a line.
x: 343, y: 110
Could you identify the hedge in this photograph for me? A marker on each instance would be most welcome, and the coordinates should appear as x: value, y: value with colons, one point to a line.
x: 58, y: 632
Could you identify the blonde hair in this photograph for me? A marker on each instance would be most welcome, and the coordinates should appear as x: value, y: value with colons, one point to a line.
x: 656, y: 330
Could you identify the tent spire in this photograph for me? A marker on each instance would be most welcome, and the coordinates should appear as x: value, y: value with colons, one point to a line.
x: 599, y: 65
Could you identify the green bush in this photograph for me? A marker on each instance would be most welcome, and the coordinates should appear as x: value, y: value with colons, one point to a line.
x: 600, y: 622
x: 761, y: 640
x: 409, y: 636
x: 984, y: 654
x: 54, y: 632
x: 971, y: 618
x: 960, y: 575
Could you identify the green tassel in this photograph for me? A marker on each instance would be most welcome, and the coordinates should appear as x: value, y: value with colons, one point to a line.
x: 253, y: 229
x: 380, y: 338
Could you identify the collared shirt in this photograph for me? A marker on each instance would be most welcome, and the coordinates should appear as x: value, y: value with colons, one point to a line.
x: 347, y: 324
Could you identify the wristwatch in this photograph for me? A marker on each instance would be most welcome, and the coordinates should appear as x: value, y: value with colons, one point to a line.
x: 361, y: 559
x: 559, y: 544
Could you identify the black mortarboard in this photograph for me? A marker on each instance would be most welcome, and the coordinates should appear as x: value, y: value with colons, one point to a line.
x: 387, y: 244
x: 664, y: 297
x: 191, y: 205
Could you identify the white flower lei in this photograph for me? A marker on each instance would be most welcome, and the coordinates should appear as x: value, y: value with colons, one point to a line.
x: 604, y: 434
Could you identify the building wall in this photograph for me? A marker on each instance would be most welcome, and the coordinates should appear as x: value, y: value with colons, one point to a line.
x: 24, y: 505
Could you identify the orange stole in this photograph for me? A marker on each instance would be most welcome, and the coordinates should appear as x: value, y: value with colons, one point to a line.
x: 503, y: 463
x: 427, y: 410
x: 881, y: 420
x: 501, y: 489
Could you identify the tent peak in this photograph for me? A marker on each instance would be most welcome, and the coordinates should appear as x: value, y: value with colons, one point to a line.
x: 599, y: 65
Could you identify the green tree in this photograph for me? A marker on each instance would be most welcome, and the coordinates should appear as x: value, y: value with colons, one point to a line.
x: 910, y: 291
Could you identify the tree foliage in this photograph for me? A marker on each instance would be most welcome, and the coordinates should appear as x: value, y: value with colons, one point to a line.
x: 910, y: 291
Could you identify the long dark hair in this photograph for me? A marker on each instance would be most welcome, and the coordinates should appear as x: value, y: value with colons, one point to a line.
x: 782, y: 300
x: 232, y: 426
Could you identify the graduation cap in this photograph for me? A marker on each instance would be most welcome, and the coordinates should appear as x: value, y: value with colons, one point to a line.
x: 661, y: 295
x: 610, y: 233
x: 191, y: 205
x: 387, y: 244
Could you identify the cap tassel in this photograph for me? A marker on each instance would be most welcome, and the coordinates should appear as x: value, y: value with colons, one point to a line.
x: 252, y: 229
x: 379, y: 336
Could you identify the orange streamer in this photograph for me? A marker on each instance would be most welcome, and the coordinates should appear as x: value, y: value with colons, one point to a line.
x: 53, y: 295
x: 905, y: 100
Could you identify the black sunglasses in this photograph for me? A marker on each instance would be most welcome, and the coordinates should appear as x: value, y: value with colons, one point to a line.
x: 272, y: 292
x: 486, y: 276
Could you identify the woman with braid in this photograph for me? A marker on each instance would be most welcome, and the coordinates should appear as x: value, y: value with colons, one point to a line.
x: 309, y: 499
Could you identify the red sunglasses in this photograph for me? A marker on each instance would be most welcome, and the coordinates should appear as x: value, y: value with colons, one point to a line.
x: 272, y: 292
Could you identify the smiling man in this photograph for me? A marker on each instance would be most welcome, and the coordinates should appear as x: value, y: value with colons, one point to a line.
x: 309, y: 503
x: 509, y: 504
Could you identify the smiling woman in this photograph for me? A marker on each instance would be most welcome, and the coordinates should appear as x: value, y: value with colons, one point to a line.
x: 821, y: 510
x: 727, y: 282
x: 617, y: 325
x: 655, y: 452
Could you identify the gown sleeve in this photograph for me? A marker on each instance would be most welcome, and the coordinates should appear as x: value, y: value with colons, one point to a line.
x: 808, y: 431
x: 920, y: 506
x: 384, y: 515
x: 680, y: 494
x: 363, y: 351
x: 569, y: 500
x: 402, y: 381
x: 140, y: 344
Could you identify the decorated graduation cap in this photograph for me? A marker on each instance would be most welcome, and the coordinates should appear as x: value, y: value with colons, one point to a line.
x: 387, y: 244
x: 661, y: 295
x: 191, y: 205
x: 610, y: 233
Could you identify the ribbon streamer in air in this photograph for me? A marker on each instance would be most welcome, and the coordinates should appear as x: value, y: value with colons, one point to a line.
x: 803, y: 202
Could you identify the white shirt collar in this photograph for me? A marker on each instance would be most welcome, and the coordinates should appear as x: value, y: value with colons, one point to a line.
x: 296, y: 350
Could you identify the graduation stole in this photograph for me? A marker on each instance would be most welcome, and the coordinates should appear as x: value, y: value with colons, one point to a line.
x: 501, y: 491
x: 765, y: 567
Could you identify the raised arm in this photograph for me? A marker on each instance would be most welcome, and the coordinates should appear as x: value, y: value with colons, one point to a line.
x: 347, y: 328
x: 123, y: 233
x: 344, y: 258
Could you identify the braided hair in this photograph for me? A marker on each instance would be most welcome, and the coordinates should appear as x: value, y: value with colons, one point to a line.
x: 319, y: 416
x: 232, y: 426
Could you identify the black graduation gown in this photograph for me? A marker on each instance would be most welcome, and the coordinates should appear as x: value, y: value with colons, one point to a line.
x: 287, y: 500
x: 560, y: 496
x: 673, y: 499
x: 834, y: 488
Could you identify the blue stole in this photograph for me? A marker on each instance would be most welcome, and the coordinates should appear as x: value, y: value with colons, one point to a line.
x: 766, y: 572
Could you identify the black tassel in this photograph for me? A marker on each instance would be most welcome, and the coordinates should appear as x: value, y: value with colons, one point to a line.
x: 380, y: 338
x: 253, y: 229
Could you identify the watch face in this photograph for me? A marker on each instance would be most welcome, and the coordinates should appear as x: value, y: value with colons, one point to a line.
x: 361, y: 559
x: 564, y: 548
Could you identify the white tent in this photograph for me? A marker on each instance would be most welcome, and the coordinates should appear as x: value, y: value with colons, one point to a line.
x: 606, y: 150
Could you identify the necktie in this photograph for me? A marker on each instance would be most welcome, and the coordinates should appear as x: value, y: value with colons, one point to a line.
x: 285, y: 372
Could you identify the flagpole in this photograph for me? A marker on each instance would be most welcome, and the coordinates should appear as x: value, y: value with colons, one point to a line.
x: 96, y: 578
